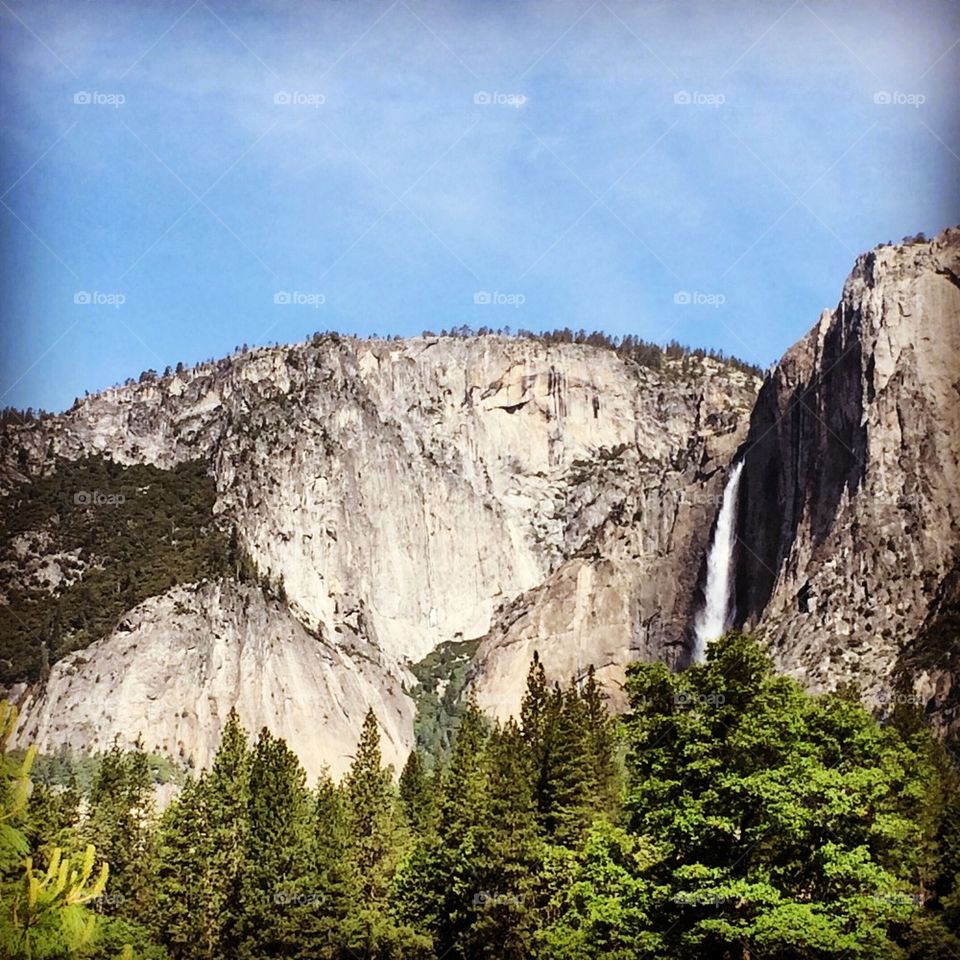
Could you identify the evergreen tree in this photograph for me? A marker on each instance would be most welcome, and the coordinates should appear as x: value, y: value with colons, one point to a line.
x: 368, y: 788
x: 507, y: 855
x: 119, y: 824
x: 568, y: 785
x: 183, y: 884
x: 454, y: 880
x: 603, y: 746
x: 375, y: 836
x: 227, y: 797
x: 780, y: 817
x: 274, y: 876
x: 416, y: 794
x: 44, y: 912
x: 332, y: 875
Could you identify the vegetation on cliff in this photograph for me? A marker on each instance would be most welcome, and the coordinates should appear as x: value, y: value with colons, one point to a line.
x: 88, y: 541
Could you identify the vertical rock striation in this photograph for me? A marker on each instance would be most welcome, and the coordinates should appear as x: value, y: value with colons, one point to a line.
x: 849, y: 505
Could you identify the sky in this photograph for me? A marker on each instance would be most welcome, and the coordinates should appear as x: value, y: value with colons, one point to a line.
x: 180, y: 177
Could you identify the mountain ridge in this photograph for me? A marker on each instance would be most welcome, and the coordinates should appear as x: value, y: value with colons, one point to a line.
x: 396, y: 495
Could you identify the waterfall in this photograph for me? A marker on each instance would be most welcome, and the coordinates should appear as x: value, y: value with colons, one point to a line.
x: 716, y: 614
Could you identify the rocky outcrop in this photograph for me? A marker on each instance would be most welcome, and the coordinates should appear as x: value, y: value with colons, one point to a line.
x: 175, y: 666
x: 530, y: 496
x: 631, y: 591
x: 849, y: 504
x: 408, y: 492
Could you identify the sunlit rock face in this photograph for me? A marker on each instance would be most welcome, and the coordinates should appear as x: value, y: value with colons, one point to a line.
x: 407, y: 493
x: 177, y: 664
x: 535, y: 497
x: 849, y: 514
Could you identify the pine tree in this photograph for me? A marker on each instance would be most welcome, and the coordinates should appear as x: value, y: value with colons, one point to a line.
x: 415, y: 793
x: 601, y: 729
x: 567, y: 778
x: 274, y: 873
x: 119, y: 824
x: 332, y: 874
x: 376, y: 841
x: 369, y: 794
x: 507, y: 859
x: 454, y: 880
x: 227, y: 796
x: 44, y: 912
x: 181, y: 877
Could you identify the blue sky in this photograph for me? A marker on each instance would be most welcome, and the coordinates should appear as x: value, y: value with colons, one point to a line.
x: 184, y: 165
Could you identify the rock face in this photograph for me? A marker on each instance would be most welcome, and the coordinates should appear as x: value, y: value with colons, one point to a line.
x: 849, y: 506
x: 176, y: 665
x: 408, y: 492
x: 532, y: 496
x: 631, y: 591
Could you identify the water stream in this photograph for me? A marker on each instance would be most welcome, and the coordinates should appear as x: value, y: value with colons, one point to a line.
x: 717, y: 612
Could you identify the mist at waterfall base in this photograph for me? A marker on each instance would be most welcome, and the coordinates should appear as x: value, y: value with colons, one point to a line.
x: 716, y: 614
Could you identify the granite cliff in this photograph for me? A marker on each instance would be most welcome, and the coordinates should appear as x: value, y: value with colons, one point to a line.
x: 395, y: 495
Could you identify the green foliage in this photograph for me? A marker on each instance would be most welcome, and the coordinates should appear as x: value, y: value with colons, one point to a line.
x: 120, y: 534
x: 119, y: 824
x: 572, y: 755
x: 416, y: 793
x: 44, y: 909
x: 66, y: 768
x: 273, y: 894
x: 751, y: 819
x: 786, y: 824
x: 438, y: 695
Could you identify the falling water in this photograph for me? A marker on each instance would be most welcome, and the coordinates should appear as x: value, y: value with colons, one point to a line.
x: 716, y: 615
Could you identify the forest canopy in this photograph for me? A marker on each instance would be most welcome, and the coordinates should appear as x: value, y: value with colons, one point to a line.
x: 728, y: 814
